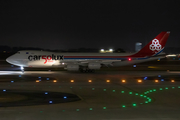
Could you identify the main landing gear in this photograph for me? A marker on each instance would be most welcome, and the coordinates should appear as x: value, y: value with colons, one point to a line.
x: 87, y: 70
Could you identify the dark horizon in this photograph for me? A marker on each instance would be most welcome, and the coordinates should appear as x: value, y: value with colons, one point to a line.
x: 87, y: 24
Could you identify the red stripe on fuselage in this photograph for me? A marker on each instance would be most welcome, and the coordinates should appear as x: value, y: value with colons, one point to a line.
x: 96, y: 56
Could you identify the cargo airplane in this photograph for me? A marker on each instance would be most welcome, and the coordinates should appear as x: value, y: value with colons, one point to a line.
x: 88, y: 62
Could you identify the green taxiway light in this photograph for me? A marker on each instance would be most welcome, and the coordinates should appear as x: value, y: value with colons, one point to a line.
x: 150, y: 90
x: 154, y: 89
x: 178, y: 86
x: 104, y: 89
x: 160, y: 89
x: 77, y: 109
x: 41, y: 111
x: 146, y: 101
x: 145, y: 93
x: 123, y: 106
x: 70, y: 87
x: 166, y: 88
x: 137, y: 94
x: 63, y: 110
x: 114, y: 90
x: 141, y: 95
x: 130, y: 92
x: 145, y: 96
x: 134, y: 104
x: 93, y: 88
x: 90, y: 108
x: 173, y: 87
x: 141, y: 103
x: 122, y: 91
x: 149, y: 100
x: 104, y: 108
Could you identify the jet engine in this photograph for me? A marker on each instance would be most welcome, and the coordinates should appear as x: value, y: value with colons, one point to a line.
x: 72, y: 67
x: 94, y: 66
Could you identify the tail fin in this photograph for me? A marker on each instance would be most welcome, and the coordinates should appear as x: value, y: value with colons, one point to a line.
x: 154, y: 47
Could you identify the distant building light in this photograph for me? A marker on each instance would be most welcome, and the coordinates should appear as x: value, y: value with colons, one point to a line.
x: 102, y: 50
x: 171, y: 55
x: 110, y: 50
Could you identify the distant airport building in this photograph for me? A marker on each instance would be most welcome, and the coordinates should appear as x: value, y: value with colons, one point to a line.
x: 138, y: 46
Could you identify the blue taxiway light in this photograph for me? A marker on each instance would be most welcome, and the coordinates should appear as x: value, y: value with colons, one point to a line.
x: 50, y: 102
x: 65, y: 97
x: 19, y: 75
x: 162, y: 79
x: 145, y: 78
x: 134, y: 65
x: 39, y: 77
x: 4, y: 90
x: 159, y: 75
x: 12, y: 81
x: 47, y: 78
x: 46, y: 93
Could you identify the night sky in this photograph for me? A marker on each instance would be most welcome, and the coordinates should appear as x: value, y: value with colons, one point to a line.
x: 87, y: 23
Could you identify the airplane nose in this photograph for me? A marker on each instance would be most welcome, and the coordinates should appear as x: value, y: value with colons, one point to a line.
x: 9, y: 59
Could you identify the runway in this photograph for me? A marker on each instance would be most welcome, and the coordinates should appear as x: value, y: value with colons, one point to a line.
x: 103, y: 95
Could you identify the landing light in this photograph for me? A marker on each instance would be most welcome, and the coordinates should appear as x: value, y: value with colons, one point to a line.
x: 22, y: 68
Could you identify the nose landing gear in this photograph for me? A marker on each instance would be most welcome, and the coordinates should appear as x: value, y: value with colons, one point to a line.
x: 22, y: 69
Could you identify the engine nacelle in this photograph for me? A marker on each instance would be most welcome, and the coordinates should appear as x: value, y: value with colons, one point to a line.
x: 72, y: 67
x: 94, y: 66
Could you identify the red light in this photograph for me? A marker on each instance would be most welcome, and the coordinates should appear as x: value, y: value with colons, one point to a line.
x: 129, y: 59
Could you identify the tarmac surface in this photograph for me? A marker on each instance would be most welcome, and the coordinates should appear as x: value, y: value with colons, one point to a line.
x: 104, y: 95
x: 148, y: 92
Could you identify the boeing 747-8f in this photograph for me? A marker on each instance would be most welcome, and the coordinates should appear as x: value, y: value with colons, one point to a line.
x: 88, y: 62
